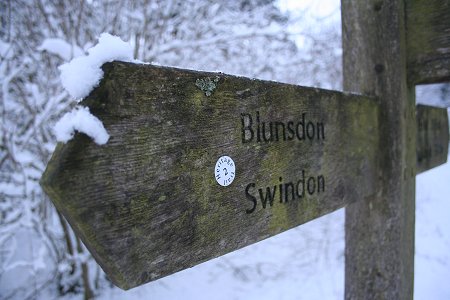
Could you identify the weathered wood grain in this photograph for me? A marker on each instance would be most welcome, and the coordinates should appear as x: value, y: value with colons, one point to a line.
x: 147, y: 204
x: 379, y: 233
x: 432, y: 137
x: 428, y: 40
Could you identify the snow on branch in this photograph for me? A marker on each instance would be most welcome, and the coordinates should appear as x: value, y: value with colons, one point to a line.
x: 61, y: 48
x: 271, y: 32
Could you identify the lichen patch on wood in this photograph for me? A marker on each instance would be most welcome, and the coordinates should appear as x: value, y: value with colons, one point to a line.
x: 207, y: 84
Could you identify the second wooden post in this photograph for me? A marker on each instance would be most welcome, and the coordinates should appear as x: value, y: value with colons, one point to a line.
x: 380, y: 231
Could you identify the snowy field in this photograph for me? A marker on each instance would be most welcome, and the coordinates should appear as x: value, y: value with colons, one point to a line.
x: 432, y: 259
x: 283, y: 268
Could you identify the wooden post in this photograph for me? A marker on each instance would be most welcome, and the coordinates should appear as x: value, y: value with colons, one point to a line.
x: 380, y: 231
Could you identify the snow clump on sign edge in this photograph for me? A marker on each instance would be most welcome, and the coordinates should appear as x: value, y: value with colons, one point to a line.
x: 83, y: 73
x: 80, y: 119
x: 79, y: 77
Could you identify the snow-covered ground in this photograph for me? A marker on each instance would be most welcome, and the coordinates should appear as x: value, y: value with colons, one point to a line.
x: 308, y: 262
x: 432, y: 259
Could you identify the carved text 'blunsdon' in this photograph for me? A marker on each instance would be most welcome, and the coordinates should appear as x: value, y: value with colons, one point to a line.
x: 256, y: 130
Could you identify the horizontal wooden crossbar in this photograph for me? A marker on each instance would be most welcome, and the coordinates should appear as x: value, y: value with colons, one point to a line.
x: 432, y: 137
x: 149, y: 203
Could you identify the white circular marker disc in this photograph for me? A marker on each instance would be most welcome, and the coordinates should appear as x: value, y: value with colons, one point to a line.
x: 225, y: 171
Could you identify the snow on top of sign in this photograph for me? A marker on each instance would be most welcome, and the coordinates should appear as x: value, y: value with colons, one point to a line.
x: 79, y: 77
x: 83, y: 73
x: 80, y: 119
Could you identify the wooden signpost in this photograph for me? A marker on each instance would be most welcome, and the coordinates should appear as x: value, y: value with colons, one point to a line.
x: 200, y: 164
x: 151, y: 202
